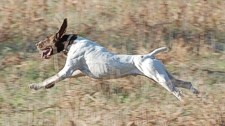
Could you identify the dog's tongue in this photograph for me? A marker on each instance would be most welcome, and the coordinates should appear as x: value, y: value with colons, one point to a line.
x: 46, y: 54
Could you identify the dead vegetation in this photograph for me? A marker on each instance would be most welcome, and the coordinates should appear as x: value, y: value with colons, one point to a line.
x: 193, y: 30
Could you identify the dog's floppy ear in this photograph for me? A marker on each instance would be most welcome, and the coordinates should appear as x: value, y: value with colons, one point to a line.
x: 62, y: 29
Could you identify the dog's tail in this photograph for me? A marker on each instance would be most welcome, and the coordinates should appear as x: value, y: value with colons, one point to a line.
x: 156, y: 51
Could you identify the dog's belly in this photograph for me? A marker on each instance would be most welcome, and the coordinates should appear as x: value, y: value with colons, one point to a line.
x: 114, y: 67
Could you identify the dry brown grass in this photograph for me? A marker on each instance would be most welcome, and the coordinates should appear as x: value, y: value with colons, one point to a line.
x: 193, y: 30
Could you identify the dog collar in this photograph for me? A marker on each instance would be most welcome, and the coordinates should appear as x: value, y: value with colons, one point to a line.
x: 68, y: 42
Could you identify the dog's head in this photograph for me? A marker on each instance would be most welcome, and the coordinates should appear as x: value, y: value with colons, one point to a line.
x: 51, y: 45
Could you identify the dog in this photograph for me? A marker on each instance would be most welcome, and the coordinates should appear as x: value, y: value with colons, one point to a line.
x: 87, y: 58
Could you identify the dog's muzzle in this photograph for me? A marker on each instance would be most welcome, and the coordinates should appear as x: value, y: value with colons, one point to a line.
x: 47, y: 53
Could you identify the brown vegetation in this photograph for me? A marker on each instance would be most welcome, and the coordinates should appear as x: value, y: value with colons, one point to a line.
x: 193, y: 30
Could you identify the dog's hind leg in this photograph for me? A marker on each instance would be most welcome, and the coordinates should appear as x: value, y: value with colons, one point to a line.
x: 155, y: 70
x: 182, y: 84
x: 171, y: 88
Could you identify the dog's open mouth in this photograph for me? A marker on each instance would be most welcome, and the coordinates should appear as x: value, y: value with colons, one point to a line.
x: 47, y: 53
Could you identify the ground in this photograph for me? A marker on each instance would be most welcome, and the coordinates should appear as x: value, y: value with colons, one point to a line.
x: 192, y: 30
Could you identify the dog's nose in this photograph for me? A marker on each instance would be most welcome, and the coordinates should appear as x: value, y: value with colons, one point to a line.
x: 36, y: 44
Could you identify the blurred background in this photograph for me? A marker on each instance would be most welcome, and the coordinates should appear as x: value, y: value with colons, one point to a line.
x: 194, y: 31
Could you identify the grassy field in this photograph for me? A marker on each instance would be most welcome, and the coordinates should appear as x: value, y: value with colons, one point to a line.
x: 194, y: 31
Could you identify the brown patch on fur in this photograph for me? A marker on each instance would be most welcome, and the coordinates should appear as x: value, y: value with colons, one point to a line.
x: 49, y: 45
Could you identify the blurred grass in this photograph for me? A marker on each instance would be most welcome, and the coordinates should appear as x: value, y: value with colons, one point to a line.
x: 193, y: 30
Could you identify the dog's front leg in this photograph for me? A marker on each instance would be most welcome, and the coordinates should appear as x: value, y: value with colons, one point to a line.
x: 66, y: 72
x: 77, y: 73
x: 48, y: 83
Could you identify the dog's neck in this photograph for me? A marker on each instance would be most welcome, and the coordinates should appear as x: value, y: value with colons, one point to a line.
x: 64, y: 42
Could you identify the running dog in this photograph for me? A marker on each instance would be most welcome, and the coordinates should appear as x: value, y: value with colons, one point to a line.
x: 87, y: 58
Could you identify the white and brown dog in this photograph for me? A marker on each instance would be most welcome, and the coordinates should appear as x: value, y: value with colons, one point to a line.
x: 85, y: 57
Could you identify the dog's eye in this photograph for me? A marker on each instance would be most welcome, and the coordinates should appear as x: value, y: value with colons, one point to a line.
x: 45, y: 42
x: 48, y: 38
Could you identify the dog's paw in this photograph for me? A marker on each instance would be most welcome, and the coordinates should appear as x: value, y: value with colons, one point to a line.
x: 34, y: 86
x: 194, y: 91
